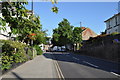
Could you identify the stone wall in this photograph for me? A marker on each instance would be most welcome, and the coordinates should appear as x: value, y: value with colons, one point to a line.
x: 103, y: 47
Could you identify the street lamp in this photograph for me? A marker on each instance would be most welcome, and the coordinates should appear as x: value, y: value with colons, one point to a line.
x: 74, y: 47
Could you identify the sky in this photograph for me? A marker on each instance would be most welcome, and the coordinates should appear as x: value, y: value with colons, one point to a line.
x: 91, y: 14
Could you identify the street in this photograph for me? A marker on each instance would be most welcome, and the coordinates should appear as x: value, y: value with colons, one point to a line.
x: 76, y: 66
x: 64, y: 66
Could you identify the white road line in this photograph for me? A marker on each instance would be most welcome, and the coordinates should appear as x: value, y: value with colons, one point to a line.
x: 75, y: 58
x: 115, y: 74
x: 90, y: 64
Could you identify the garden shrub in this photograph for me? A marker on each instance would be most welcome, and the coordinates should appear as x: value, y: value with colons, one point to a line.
x: 30, y: 53
x: 13, y: 52
x: 114, y: 33
x: 6, y: 61
x: 38, y: 49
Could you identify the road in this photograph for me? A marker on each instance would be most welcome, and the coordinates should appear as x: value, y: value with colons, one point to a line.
x: 77, y: 66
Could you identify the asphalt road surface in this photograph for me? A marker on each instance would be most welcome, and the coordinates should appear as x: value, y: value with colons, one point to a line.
x: 78, y: 66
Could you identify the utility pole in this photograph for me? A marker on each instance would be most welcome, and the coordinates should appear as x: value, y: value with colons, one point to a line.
x: 32, y: 7
x: 80, y: 24
x: 31, y: 39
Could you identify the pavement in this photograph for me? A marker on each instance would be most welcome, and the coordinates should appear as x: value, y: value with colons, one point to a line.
x: 39, y: 67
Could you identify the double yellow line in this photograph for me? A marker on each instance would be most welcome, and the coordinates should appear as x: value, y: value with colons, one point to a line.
x: 59, y: 72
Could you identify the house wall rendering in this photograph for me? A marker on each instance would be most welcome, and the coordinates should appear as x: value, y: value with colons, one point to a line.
x: 4, y: 34
x: 113, y: 24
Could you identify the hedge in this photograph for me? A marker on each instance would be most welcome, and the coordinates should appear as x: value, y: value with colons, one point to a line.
x: 14, y: 52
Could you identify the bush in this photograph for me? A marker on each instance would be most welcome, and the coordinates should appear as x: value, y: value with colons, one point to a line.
x: 114, y: 33
x: 30, y: 53
x: 13, y: 52
x: 38, y: 49
x: 6, y: 61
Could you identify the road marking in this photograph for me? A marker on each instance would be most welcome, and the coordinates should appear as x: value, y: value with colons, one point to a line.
x: 75, y: 58
x: 115, y: 74
x: 62, y: 77
x: 90, y: 64
x: 59, y: 72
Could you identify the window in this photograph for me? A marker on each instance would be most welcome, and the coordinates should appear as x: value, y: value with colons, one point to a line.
x: 116, y: 20
x: 108, y: 24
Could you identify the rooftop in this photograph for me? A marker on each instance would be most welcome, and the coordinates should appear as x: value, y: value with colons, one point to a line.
x: 112, y: 17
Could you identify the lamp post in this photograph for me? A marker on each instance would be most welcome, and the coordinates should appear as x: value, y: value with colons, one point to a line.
x: 74, y: 47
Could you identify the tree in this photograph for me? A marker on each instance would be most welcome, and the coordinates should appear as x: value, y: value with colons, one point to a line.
x: 77, y: 36
x: 2, y: 24
x: 63, y: 34
x: 20, y: 21
x: 22, y: 24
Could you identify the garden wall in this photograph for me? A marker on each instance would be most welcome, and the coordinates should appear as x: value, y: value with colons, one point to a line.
x: 105, y: 47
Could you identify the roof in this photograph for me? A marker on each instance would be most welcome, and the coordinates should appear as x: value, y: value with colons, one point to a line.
x: 83, y: 27
x: 87, y: 33
x: 112, y: 17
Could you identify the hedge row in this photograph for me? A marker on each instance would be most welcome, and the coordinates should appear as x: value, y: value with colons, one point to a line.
x: 14, y: 52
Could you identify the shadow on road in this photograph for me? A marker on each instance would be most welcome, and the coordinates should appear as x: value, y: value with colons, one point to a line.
x: 86, y: 61
x: 17, y: 76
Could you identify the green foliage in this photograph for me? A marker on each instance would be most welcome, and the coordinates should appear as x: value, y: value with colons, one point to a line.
x: 21, y: 21
x: 77, y: 35
x: 55, y: 9
x: 38, y: 49
x: 13, y: 52
x: 63, y: 34
x: 47, y: 40
x: 2, y: 24
x: 6, y: 61
x: 30, y: 53
x: 114, y: 33
x: 40, y: 37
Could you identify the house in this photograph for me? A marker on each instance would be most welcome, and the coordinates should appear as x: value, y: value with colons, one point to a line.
x: 113, y: 24
x: 4, y: 35
x: 87, y: 33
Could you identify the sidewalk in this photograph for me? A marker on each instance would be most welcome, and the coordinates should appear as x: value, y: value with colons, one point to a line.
x: 39, y: 67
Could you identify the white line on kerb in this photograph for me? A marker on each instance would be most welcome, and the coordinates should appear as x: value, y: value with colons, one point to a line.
x: 90, y: 64
x: 115, y: 74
